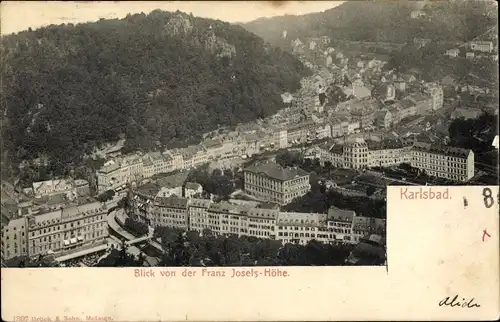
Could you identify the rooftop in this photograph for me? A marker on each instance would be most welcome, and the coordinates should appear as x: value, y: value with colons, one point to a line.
x: 149, y: 189
x: 301, y: 219
x: 68, y: 213
x: 193, y: 185
x: 200, y: 203
x: 336, y: 214
x: 441, y: 149
x: 406, y: 103
x: 226, y: 207
x: 261, y: 213
x: 212, y: 144
x: 275, y: 171
x: 418, y: 97
x: 109, y: 168
x: 173, y: 180
x: 172, y: 202
x: 385, y: 144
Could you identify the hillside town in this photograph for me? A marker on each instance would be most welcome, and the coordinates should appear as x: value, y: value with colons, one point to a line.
x: 356, y: 126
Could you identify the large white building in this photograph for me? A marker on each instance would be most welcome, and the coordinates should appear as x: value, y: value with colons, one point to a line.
x: 225, y: 218
x: 483, y: 46
x: 268, y: 181
x: 65, y: 230
x: 443, y: 161
x: 436, y: 92
x: 436, y: 160
x: 300, y: 228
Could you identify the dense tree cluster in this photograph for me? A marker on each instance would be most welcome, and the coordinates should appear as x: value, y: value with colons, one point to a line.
x: 219, y: 183
x: 120, y: 258
x: 320, y: 200
x: 68, y: 89
x: 205, y: 249
x: 476, y: 134
x: 106, y: 196
x: 383, y: 21
x: 39, y: 261
x: 136, y: 227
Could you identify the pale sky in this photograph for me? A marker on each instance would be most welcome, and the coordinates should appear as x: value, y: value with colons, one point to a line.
x: 20, y: 15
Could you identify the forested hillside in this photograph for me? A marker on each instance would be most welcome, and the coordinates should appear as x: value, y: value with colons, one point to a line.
x: 157, y: 78
x: 388, y: 21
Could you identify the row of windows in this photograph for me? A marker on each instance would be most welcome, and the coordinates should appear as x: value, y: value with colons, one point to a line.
x: 307, y: 235
x: 14, y: 228
x: 71, y: 225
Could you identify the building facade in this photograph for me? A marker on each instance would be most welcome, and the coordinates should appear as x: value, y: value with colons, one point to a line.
x: 67, y: 229
x: 436, y: 92
x: 440, y: 161
x: 483, y: 46
x: 443, y: 161
x: 268, y: 181
x: 170, y: 211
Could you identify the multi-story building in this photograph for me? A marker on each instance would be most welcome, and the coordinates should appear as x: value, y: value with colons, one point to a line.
x: 407, y: 108
x: 111, y: 176
x: 144, y: 197
x: 280, y: 138
x: 300, y: 228
x: 200, y: 156
x: 160, y: 163
x: 423, y: 103
x: 133, y: 165
x: 259, y: 222
x: 15, y: 239
x: 483, y: 46
x: 270, y: 182
x: 177, y: 159
x: 171, y: 212
x: 51, y: 187
x: 198, y: 215
x: 64, y: 186
x: 339, y: 222
x: 400, y: 84
x: 214, y: 148
x: 191, y: 189
x: 337, y: 130
x: 355, y: 154
x: 387, y: 153
x: 436, y: 92
x: 62, y: 231
x: 323, y: 131
x: 228, y: 219
x: 358, y: 153
x: 148, y: 168
x: 229, y: 148
x: 251, y: 144
x: 443, y: 161
x: 454, y: 52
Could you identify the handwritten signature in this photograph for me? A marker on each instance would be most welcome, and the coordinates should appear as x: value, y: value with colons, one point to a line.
x: 455, y: 302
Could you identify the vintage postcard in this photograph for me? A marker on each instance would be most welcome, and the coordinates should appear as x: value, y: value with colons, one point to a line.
x: 261, y: 161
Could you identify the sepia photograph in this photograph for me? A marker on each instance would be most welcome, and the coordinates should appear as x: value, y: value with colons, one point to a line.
x: 175, y: 134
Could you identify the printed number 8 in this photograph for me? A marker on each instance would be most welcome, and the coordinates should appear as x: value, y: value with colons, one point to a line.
x: 488, y: 198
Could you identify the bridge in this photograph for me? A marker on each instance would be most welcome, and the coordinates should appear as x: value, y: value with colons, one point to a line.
x: 138, y: 240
